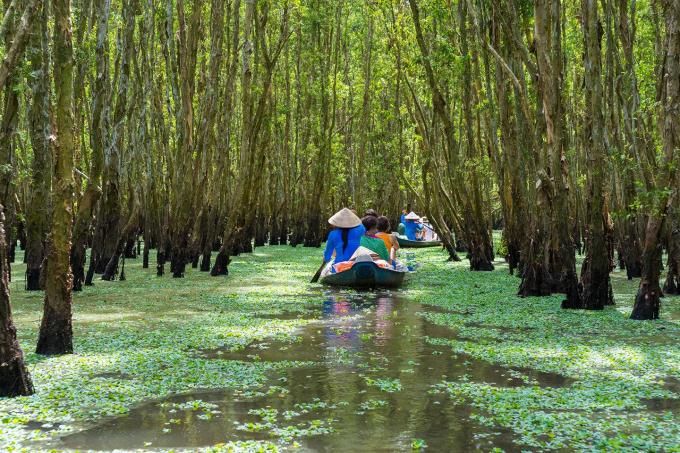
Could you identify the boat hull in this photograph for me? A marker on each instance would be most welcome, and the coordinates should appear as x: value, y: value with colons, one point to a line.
x: 366, y: 275
x: 407, y: 243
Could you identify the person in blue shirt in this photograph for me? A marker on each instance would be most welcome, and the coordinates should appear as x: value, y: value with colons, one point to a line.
x: 413, y: 227
x: 402, y: 218
x: 345, y: 239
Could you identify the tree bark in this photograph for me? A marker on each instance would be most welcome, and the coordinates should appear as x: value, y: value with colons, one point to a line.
x: 510, y: 172
x: 672, y: 285
x: 595, y: 282
x: 14, y: 377
x: 109, y: 221
x: 630, y: 98
x: 56, y: 335
x: 128, y: 232
x: 647, y: 301
x: 99, y: 131
x: 480, y: 250
x: 19, y: 40
x: 252, y: 156
x: 549, y: 56
x: 14, y: 33
x: 38, y: 209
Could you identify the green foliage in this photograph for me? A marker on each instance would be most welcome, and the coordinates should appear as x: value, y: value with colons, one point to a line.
x: 386, y: 385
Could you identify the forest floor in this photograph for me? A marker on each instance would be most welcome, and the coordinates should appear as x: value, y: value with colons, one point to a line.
x: 160, y: 361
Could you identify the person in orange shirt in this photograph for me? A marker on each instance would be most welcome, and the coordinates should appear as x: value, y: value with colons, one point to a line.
x: 388, y: 238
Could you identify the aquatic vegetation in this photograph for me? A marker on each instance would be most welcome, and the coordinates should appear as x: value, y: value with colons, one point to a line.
x: 316, y: 427
x: 143, y: 333
x: 194, y: 405
x: 568, y: 379
x: 287, y: 433
x: 248, y: 446
x: 386, y: 385
x: 371, y: 404
x: 616, y: 364
x: 315, y: 405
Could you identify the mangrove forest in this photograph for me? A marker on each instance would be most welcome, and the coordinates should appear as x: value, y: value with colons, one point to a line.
x: 339, y: 225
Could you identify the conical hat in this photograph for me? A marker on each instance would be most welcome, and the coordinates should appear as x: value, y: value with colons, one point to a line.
x: 345, y: 218
x: 362, y: 252
x: 412, y: 216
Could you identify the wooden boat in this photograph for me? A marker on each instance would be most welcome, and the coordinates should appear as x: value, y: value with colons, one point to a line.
x: 365, y: 274
x: 408, y: 243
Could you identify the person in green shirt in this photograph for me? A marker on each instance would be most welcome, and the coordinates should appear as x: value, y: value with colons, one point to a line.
x: 371, y: 241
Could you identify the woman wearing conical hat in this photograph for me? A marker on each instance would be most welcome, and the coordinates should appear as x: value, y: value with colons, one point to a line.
x: 345, y: 238
x: 413, y: 228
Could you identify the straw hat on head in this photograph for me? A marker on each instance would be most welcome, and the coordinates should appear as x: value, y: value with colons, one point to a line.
x: 345, y: 218
x: 412, y: 216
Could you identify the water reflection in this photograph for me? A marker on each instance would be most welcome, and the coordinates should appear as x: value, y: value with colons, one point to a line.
x: 373, y: 376
x: 344, y: 331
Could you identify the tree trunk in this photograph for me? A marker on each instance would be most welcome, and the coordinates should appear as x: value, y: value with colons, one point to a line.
x: 145, y: 254
x: 14, y: 377
x: 99, y: 131
x: 109, y: 222
x: 89, y: 277
x: 536, y: 279
x: 38, y: 209
x: 56, y: 335
x: 208, y: 239
x: 647, y: 300
x: 161, y: 258
x: 14, y: 32
x: 252, y: 156
x: 129, y: 231
x: 630, y: 248
x: 15, y: 50
x: 630, y: 242
x: 182, y: 63
x: 672, y: 285
x: 130, y: 248
x: 480, y: 247
x: 511, y: 185
x: 561, y: 254
x: 595, y: 276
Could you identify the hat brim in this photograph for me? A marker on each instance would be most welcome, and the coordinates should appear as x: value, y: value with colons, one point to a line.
x: 345, y: 219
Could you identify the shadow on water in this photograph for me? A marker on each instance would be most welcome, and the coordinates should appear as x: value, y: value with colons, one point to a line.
x: 369, y: 380
x: 661, y: 404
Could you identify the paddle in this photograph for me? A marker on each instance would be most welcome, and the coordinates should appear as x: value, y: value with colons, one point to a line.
x: 318, y: 273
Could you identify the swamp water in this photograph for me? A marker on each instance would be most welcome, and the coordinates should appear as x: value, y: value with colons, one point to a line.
x: 366, y: 381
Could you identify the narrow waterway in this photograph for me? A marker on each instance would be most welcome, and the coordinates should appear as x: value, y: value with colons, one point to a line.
x: 368, y: 383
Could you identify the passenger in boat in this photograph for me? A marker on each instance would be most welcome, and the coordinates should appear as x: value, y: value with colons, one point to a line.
x: 401, y: 228
x: 413, y: 227
x: 371, y: 212
x: 428, y: 233
x: 345, y: 239
x: 390, y: 239
x: 371, y: 241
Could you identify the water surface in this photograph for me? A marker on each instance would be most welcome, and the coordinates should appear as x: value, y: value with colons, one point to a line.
x: 368, y: 383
